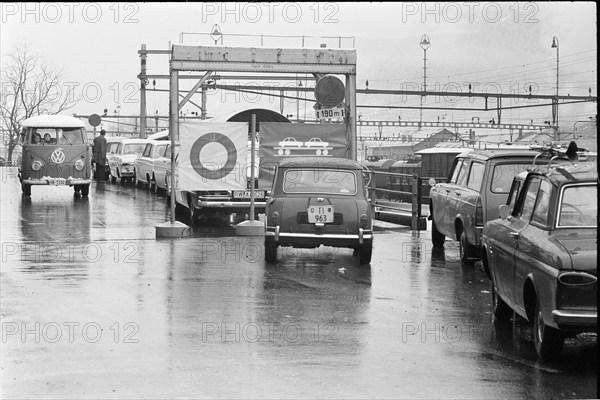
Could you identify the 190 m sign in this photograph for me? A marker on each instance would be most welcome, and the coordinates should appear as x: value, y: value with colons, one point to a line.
x: 324, y: 113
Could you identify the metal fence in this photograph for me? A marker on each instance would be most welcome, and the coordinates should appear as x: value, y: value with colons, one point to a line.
x: 387, y: 188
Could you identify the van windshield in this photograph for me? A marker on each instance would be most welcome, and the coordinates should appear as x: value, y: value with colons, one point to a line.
x: 54, y: 136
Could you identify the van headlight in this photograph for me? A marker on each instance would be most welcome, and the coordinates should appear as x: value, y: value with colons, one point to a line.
x: 79, y: 165
x: 36, y: 165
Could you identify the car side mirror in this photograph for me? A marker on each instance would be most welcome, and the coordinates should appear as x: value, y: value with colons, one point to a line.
x: 504, y: 209
x: 431, y: 182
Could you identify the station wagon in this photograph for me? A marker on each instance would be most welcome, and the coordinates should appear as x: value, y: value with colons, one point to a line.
x: 542, y: 257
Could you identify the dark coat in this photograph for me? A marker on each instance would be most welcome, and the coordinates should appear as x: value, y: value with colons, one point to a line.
x: 99, y: 150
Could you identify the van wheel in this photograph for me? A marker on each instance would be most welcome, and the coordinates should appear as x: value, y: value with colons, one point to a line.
x: 85, y: 190
x: 548, y: 341
x: 437, y: 238
x: 270, y: 252
x: 465, y: 250
x: 26, y: 190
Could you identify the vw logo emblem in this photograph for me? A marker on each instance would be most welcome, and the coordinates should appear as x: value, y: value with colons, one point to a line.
x: 57, y: 156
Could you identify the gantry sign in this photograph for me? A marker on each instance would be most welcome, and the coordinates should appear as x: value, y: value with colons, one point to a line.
x: 266, y: 60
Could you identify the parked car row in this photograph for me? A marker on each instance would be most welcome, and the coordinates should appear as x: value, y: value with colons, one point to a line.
x: 532, y: 219
x: 140, y: 161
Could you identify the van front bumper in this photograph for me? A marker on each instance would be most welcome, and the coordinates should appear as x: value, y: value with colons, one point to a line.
x: 46, y: 180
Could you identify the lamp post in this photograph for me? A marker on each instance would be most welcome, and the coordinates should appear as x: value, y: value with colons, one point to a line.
x: 216, y: 34
x: 555, y: 102
x: 425, y: 43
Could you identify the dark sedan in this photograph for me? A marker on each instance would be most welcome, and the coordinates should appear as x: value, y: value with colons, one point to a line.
x: 319, y: 201
x: 542, y: 257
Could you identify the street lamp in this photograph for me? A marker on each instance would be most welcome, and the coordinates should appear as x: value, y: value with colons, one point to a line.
x: 216, y: 34
x: 555, y: 102
x: 425, y: 43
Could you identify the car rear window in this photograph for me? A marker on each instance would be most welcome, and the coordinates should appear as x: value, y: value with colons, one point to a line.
x: 324, y: 181
x: 579, y: 207
x: 504, y: 174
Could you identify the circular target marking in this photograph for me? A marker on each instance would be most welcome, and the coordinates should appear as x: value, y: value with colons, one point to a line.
x: 200, y: 168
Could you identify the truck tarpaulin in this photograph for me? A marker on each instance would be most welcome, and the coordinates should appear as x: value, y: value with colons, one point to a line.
x: 279, y: 140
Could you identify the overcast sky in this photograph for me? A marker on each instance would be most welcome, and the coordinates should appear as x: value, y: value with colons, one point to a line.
x: 490, y: 45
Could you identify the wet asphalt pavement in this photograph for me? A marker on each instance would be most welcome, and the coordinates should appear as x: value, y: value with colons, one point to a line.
x: 93, y: 306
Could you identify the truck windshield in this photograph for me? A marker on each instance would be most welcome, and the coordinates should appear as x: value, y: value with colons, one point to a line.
x: 319, y: 181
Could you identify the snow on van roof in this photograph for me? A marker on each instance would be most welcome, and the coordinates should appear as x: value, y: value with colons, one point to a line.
x: 53, y: 121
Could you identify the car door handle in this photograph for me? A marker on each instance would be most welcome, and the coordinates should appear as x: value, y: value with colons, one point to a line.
x: 515, y: 235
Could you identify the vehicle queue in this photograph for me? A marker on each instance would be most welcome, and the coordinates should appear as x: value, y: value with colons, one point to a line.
x: 530, y: 216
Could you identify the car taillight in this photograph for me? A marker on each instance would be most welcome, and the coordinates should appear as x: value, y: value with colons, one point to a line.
x: 79, y: 165
x: 364, y: 222
x: 479, y: 213
x: 576, y: 278
x: 36, y: 165
x: 274, y: 218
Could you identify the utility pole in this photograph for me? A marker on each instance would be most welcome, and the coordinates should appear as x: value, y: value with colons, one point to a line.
x: 425, y: 43
x: 143, y: 81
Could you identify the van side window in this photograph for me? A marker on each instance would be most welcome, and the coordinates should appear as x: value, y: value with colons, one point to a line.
x: 455, y: 171
x: 476, y: 176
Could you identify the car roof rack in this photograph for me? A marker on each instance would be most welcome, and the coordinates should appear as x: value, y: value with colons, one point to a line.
x: 555, y: 151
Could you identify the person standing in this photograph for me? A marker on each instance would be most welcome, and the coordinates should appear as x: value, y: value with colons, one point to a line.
x: 99, y: 155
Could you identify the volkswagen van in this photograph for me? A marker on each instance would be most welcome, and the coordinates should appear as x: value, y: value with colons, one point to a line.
x: 55, y: 152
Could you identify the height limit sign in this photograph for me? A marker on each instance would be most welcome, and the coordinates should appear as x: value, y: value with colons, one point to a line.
x: 331, y: 113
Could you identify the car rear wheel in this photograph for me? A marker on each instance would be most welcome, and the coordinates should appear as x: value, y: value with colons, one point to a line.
x: 365, y: 252
x: 270, y: 252
x: 548, y: 341
x: 501, y: 310
x: 465, y: 250
x: 437, y: 238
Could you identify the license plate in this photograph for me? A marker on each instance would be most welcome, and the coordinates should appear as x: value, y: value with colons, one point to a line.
x: 57, y: 181
x: 322, y: 214
x: 241, y: 194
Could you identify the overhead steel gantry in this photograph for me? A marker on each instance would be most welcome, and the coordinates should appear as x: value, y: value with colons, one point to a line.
x: 262, y: 60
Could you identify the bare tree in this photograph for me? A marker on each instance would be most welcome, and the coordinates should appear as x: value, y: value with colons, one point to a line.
x: 30, y: 87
